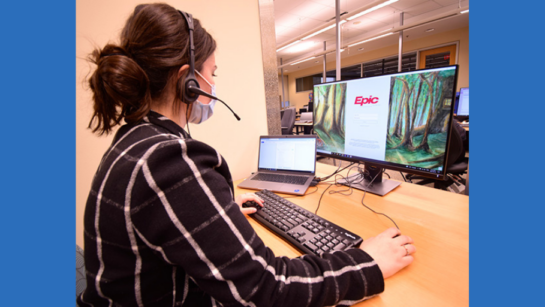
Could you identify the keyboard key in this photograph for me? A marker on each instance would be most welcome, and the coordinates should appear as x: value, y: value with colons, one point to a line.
x: 310, y: 246
x: 340, y: 247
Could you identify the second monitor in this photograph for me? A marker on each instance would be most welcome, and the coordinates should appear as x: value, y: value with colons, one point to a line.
x: 462, y: 110
x: 397, y: 121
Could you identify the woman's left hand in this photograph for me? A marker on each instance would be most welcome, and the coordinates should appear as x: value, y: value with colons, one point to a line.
x: 240, y: 199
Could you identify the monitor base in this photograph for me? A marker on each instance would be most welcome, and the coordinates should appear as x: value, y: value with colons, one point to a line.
x: 378, y: 188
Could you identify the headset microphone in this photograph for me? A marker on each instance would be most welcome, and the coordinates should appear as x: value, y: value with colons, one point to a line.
x: 196, y: 90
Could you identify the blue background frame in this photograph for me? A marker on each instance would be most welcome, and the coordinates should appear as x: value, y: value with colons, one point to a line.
x: 38, y: 153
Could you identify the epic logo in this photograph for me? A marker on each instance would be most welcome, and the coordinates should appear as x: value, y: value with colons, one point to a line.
x: 364, y: 100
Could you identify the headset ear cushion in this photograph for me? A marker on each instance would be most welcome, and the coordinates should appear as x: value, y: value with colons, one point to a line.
x: 188, y: 96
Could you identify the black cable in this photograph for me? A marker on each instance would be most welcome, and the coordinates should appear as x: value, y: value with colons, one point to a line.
x: 376, y: 212
x: 337, y: 171
x: 316, y: 212
x: 347, y: 181
x: 349, y: 184
x: 403, y: 176
x: 187, y: 118
x: 358, y: 180
x: 312, y: 191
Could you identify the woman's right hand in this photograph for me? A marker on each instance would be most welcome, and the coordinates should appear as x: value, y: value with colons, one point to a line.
x: 391, y: 250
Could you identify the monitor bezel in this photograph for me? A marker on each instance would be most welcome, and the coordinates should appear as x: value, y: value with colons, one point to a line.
x: 391, y: 165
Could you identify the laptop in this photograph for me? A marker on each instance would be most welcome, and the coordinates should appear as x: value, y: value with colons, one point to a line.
x: 286, y: 164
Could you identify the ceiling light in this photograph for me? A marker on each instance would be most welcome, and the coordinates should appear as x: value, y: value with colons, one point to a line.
x: 302, y: 46
x: 430, y: 30
x: 374, y: 8
x: 295, y: 42
x: 303, y: 60
x: 323, y: 30
x: 371, y: 39
x: 463, y: 12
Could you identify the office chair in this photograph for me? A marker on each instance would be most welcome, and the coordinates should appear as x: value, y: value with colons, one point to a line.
x: 457, y: 163
x: 288, y: 121
x: 81, y: 281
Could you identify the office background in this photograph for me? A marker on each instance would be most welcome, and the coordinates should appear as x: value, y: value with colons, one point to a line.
x: 458, y: 36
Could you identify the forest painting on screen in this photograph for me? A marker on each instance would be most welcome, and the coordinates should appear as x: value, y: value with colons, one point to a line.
x: 420, y: 106
x: 329, y: 111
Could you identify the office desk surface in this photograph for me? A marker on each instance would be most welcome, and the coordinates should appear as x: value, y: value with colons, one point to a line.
x: 438, y: 221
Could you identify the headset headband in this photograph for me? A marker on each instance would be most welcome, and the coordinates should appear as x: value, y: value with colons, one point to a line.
x: 190, y: 79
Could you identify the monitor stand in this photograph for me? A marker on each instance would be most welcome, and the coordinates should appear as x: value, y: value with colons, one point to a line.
x: 379, y: 186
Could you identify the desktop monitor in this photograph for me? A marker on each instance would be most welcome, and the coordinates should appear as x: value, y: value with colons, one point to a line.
x: 397, y: 121
x: 310, y: 107
x: 463, y: 103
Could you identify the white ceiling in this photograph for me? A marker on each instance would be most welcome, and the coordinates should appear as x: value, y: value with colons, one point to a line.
x: 296, y: 17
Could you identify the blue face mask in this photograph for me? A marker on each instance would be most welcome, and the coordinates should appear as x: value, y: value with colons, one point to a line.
x: 200, y: 111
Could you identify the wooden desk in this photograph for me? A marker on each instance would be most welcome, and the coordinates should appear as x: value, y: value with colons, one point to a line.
x: 438, y: 221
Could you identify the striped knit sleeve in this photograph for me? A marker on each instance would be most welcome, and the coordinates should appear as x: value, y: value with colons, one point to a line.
x: 192, y: 222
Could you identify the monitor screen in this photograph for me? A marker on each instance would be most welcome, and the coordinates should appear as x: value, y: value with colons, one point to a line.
x: 463, y: 103
x: 398, y: 121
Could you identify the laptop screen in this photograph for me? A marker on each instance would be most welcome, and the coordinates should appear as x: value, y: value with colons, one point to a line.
x: 288, y: 153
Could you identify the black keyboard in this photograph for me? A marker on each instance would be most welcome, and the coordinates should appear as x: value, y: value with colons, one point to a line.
x: 280, y: 178
x: 302, y: 228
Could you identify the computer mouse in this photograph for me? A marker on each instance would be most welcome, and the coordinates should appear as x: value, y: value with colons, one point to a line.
x: 251, y: 204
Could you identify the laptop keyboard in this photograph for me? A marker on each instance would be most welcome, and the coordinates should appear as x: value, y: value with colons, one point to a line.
x: 302, y: 228
x: 280, y: 178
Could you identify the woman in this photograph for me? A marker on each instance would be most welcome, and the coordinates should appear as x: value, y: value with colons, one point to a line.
x: 161, y: 225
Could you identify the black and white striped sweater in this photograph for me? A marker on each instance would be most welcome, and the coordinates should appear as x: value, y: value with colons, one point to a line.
x: 162, y: 229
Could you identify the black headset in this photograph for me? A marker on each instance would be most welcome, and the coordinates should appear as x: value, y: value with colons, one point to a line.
x: 190, y: 81
x: 190, y: 87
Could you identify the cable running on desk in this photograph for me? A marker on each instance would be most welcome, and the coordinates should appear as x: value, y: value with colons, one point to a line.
x: 351, y: 189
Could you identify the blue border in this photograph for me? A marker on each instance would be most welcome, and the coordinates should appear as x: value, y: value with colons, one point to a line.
x: 506, y: 136
x: 38, y: 152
